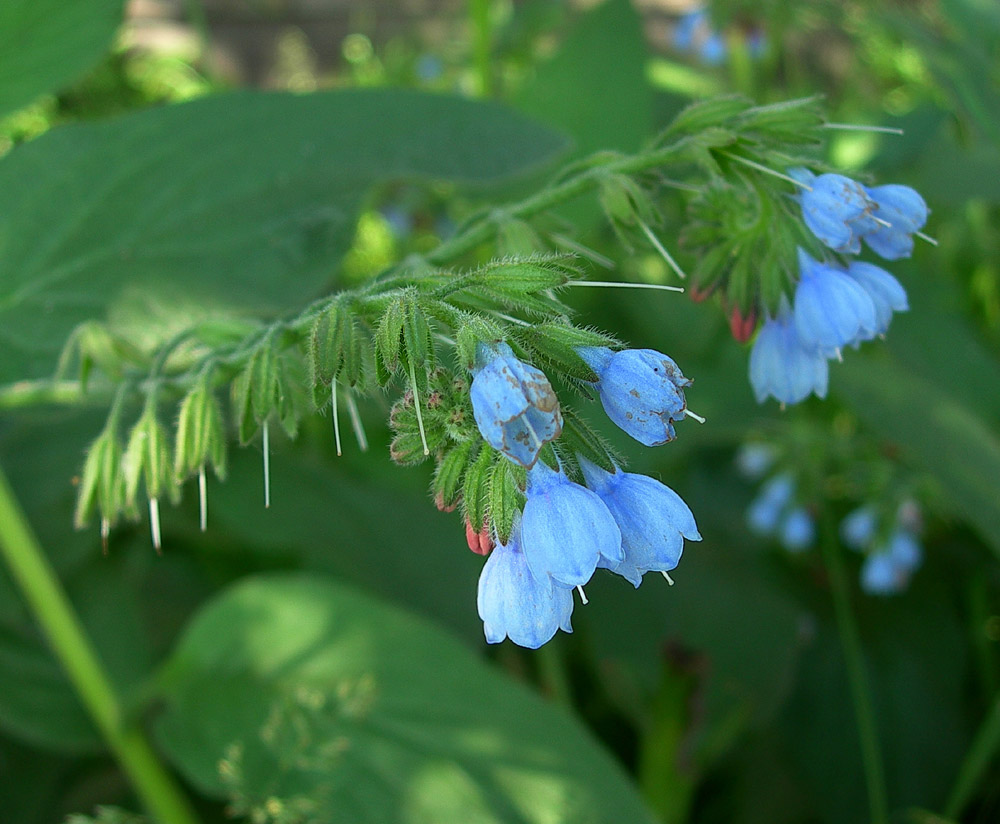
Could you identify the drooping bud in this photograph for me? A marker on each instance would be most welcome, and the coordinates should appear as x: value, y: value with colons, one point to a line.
x: 742, y: 326
x: 479, y: 542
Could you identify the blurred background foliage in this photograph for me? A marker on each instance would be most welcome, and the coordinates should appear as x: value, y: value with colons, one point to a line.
x: 725, y: 698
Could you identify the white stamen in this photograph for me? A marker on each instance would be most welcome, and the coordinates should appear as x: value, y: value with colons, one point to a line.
x: 881, y: 222
x: 583, y: 596
x: 620, y: 285
x: 667, y: 576
x: 267, y: 468
x: 662, y: 250
x: 105, y: 533
x: 336, y: 415
x: 839, y: 354
x: 202, y: 498
x: 444, y: 338
x: 154, y: 523
x: 416, y: 406
x: 359, y: 429
x: 689, y: 414
x: 781, y: 406
x: 850, y: 127
x: 586, y: 251
x: 928, y: 238
x: 760, y: 168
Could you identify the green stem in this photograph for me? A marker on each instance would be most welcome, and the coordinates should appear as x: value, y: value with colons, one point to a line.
x: 479, y: 13
x: 47, y: 599
x: 981, y: 753
x: 850, y: 641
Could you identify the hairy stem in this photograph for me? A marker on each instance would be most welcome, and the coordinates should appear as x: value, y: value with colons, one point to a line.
x: 850, y: 642
x: 51, y: 607
x: 981, y: 754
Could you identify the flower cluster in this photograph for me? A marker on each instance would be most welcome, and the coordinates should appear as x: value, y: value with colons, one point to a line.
x: 628, y: 523
x: 892, y: 554
x: 695, y: 35
x: 774, y: 512
x: 836, y: 306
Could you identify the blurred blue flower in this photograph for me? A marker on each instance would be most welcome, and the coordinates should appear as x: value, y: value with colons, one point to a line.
x: 688, y: 27
x: 905, y: 212
x: 887, y: 294
x: 887, y: 570
x: 831, y: 310
x: 642, y: 391
x: 836, y: 209
x: 713, y: 49
x: 765, y: 511
x: 753, y: 460
x: 652, y: 518
x: 515, y: 408
x: 514, y: 604
x: 858, y: 527
x: 566, y: 529
x: 797, y: 530
x: 782, y: 367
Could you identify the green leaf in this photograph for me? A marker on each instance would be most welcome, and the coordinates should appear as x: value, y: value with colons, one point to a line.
x: 304, y: 694
x: 946, y: 437
x: 244, y: 201
x: 47, y: 44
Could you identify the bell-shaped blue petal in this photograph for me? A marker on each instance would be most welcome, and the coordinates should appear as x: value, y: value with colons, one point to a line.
x: 837, y: 210
x: 687, y: 27
x: 515, y: 604
x: 515, y: 408
x: 653, y: 519
x: 858, y: 527
x: 886, y: 293
x: 642, y: 391
x: 905, y: 551
x: 566, y: 529
x: 797, y: 530
x: 754, y: 460
x: 781, y: 367
x: 879, y: 575
x: 831, y: 309
x: 765, y: 510
x: 902, y: 211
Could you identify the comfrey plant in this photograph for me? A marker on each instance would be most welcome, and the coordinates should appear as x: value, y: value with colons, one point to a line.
x: 479, y: 344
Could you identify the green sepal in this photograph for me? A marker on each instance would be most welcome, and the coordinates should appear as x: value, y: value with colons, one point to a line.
x: 515, y: 237
x: 624, y: 201
x: 329, y: 341
x: 388, y: 337
x: 791, y: 122
x: 505, y: 499
x: 418, y: 347
x: 705, y: 114
x: 201, y: 436
x: 446, y: 487
x: 147, y: 458
x: 556, y: 343
x: 475, y: 493
x: 475, y: 330
x: 102, y: 483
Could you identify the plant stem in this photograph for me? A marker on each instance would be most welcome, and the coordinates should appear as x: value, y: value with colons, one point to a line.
x: 850, y: 642
x: 980, y: 754
x: 479, y: 13
x: 48, y: 601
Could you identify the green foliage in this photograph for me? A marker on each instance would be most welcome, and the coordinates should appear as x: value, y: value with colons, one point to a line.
x: 306, y: 701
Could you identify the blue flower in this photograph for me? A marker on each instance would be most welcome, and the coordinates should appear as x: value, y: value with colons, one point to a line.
x: 782, y: 367
x: 836, y: 209
x: 515, y: 604
x: 516, y: 410
x: 765, y: 511
x: 642, y: 391
x: 754, y: 459
x: 887, y: 570
x: 858, y: 527
x: 832, y: 310
x: 687, y: 27
x: 797, y: 530
x: 887, y: 294
x: 653, y: 520
x: 902, y: 212
x: 566, y: 529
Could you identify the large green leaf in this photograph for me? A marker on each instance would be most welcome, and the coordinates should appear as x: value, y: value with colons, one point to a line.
x: 240, y: 201
x: 312, y: 697
x: 946, y: 437
x: 46, y: 44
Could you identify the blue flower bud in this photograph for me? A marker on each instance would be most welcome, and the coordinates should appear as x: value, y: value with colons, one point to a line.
x: 904, y: 210
x: 515, y: 604
x: 832, y: 310
x: 858, y: 527
x: 516, y: 410
x: 905, y: 551
x: 642, y: 391
x: 836, y: 210
x: 653, y: 520
x: 566, y: 529
x: 765, y: 511
x: 797, y: 530
x: 879, y: 575
x: 782, y: 367
x: 754, y: 459
x: 887, y: 294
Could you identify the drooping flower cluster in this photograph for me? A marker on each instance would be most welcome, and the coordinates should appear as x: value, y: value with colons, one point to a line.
x: 774, y: 512
x: 836, y: 306
x: 695, y: 35
x: 627, y: 523
x: 892, y: 554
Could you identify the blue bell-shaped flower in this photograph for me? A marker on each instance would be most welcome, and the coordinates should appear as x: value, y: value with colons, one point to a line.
x: 902, y: 211
x: 642, y: 391
x: 566, y: 529
x: 515, y: 604
x: 832, y: 310
x: 836, y: 209
x: 886, y: 293
x: 653, y: 520
x: 858, y: 528
x: 514, y: 405
x: 782, y: 367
